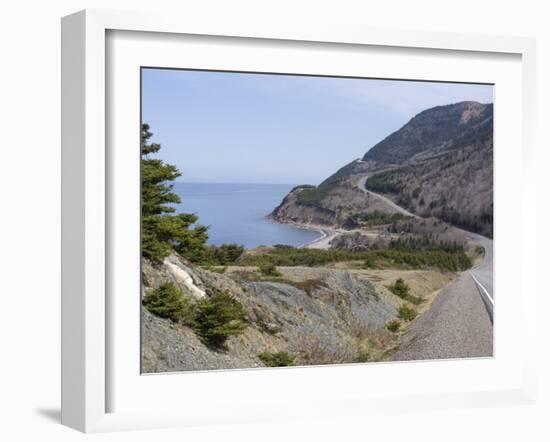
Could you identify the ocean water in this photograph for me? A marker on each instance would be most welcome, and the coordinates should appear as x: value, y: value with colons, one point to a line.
x: 236, y: 213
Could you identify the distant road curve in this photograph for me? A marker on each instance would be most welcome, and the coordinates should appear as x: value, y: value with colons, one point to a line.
x: 361, y: 182
x: 482, y: 274
x: 459, y: 324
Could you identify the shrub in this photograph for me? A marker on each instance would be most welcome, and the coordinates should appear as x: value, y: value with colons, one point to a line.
x: 219, y: 317
x: 416, y: 300
x: 278, y: 359
x: 406, y: 313
x: 167, y: 301
x: 370, y: 262
x: 268, y: 269
x: 399, y: 288
x: 393, y: 326
x: 363, y: 356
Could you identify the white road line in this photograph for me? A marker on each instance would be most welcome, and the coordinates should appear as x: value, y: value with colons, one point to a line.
x: 483, y: 288
x: 485, y: 297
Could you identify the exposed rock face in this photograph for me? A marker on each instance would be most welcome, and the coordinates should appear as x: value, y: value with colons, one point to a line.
x: 291, y: 211
x: 439, y: 164
x: 319, y: 315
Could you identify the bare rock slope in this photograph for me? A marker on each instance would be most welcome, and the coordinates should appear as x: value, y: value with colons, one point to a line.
x: 318, y: 315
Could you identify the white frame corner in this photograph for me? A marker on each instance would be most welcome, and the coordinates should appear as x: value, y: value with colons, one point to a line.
x: 84, y: 233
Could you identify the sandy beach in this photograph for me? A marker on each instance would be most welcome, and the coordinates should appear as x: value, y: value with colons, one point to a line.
x: 323, y: 242
x: 327, y: 234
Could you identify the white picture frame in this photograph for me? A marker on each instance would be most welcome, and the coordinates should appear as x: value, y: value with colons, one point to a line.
x: 87, y: 356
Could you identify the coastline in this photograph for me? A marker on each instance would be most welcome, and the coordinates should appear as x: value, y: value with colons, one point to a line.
x: 327, y: 234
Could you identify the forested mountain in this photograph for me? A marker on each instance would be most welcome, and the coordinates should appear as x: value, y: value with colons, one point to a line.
x: 439, y: 164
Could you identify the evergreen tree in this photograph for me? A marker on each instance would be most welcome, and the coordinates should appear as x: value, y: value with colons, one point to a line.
x: 219, y: 317
x: 161, y: 230
x: 167, y: 301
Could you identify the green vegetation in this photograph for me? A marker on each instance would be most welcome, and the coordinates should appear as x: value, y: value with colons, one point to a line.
x: 302, y: 186
x: 218, y: 317
x: 416, y: 300
x: 386, y: 182
x: 375, y: 218
x: 399, y: 288
x: 312, y: 196
x: 223, y: 255
x: 481, y: 224
x: 291, y: 256
x: 393, y: 325
x: 214, y: 318
x: 161, y: 230
x: 268, y: 269
x: 278, y: 359
x: 406, y: 313
x: 446, y: 257
x: 362, y: 356
x: 167, y: 301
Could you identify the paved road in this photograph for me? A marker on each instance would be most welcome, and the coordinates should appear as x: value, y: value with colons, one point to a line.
x: 456, y: 326
x: 459, y: 323
x: 484, y: 271
x: 361, y: 185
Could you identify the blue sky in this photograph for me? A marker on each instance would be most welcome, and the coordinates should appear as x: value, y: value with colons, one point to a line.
x: 255, y: 128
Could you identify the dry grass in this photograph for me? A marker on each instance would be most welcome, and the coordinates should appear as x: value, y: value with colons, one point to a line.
x: 377, y: 342
x: 314, y: 351
x: 426, y: 284
x: 422, y: 283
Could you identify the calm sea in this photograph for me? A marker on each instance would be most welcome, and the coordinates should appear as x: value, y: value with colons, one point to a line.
x: 236, y: 213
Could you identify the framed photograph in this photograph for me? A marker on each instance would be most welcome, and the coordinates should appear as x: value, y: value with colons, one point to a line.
x: 285, y: 223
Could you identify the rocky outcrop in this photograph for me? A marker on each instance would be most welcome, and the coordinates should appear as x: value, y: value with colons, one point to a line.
x: 318, y: 315
x: 337, y: 204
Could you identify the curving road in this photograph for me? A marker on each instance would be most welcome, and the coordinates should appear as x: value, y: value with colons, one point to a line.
x: 483, y: 273
x: 361, y: 185
x: 459, y: 324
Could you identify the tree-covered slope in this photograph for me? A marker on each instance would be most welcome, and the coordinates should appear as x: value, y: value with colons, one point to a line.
x: 439, y: 164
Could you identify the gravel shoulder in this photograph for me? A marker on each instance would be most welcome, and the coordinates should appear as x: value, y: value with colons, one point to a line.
x: 456, y: 326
